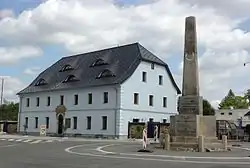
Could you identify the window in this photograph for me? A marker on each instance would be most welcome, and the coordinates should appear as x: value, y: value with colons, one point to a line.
x: 164, y: 103
x: 61, y: 100
x: 160, y: 79
x: 90, y: 98
x: 230, y: 113
x: 75, y: 123
x: 40, y: 82
x: 136, y: 98
x: 105, y: 73
x: 104, y: 122
x: 66, y: 68
x: 89, y: 122
x: 36, y: 122
x: 26, y: 125
x: 27, y: 102
x: 221, y: 113
x: 37, y: 101
x: 98, y: 62
x: 152, y: 66
x: 48, y: 101
x: 47, y: 122
x: 68, y: 123
x: 151, y: 97
x: 135, y: 120
x: 144, y: 76
x: 70, y: 78
x: 76, y: 99
x: 105, y: 97
x: 164, y: 120
x: 151, y: 120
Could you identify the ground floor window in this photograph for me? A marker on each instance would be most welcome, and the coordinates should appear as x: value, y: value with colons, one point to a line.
x: 36, y: 122
x: 75, y: 122
x: 104, y: 122
x: 47, y: 122
x: 88, y: 122
x: 26, y: 123
x: 68, y: 123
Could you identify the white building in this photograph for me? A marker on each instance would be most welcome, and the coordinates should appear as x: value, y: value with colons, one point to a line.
x: 234, y: 115
x: 102, y: 91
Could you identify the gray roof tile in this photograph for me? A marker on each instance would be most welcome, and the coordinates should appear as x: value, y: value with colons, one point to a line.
x: 121, y: 60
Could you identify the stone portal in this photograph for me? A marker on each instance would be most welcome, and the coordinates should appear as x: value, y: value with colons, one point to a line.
x: 60, y: 114
x: 190, y: 123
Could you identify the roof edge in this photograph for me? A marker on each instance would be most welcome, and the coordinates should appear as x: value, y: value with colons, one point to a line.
x: 172, y: 79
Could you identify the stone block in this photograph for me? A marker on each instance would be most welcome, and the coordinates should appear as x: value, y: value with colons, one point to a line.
x: 201, y: 145
x: 191, y: 105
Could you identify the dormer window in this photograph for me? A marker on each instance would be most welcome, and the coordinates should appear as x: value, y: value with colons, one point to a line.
x: 106, y: 73
x: 70, y: 78
x: 99, y: 62
x: 66, y: 68
x: 40, y: 82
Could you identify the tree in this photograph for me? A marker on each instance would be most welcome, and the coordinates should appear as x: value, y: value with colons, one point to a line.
x: 232, y: 101
x: 207, y: 107
x: 9, y: 111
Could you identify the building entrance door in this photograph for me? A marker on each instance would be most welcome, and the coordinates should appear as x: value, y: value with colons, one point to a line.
x: 60, y: 124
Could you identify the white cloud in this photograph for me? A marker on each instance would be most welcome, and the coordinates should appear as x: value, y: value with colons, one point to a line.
x: 11, y: 55
x: 32, y: 71
x: 159, y: 26
x: 6, y: 13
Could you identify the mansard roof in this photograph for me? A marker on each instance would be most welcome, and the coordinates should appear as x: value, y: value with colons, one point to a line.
x: 103, y: 67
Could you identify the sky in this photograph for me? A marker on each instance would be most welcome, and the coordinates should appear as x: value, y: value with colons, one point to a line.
x: 34, y: 34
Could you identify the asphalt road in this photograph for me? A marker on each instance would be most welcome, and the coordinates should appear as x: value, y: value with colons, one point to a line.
x: 90, y: 155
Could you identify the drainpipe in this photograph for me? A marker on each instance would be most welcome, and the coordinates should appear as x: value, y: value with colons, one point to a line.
x: 116, y: 110
x: 19, y: 113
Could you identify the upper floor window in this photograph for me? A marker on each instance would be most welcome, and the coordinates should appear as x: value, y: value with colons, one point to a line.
x: 90, y: 98
x: 66, y: 67
x: 70, y: 78
x: 48, y: 100
x: 105, y: 97
x: 36, y: 122
x: 164, y: 103
x: 160, y: 79
x: 37, y: 101
x: 152, y: 66
x: 230, y: 113
x: 76, y: 99
x: 144, y: 76
x: 106, y: 73
x: 27, y: 102
x: 99, y: 62
x: 151, y: 97
x: 61, y: 100
x: 40, y: 82
x: 136, y: 98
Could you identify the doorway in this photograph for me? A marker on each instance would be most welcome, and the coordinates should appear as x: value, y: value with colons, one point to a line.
x: 60, y: 124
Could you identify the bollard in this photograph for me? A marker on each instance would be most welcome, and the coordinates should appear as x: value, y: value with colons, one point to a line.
x: 167, y: 142
x: 224, y: 141
x: 201, y: 143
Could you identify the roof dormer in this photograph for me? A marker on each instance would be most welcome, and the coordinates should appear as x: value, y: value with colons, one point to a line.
x: 66, y: 67
x: 105, y: 73
x: 70, y: 78
x: 41, y: 82
x: 98, y: 62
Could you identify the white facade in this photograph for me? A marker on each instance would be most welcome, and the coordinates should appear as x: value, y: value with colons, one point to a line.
x: 233, y: 115
x: 119, y: 110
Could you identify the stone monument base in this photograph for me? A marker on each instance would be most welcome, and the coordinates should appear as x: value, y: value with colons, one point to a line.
x: 192, y: 131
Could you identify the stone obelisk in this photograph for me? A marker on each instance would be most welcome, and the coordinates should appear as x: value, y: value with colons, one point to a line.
x: 190, y: 123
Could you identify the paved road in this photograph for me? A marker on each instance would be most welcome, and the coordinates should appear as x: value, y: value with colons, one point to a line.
x: 85, y: 154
